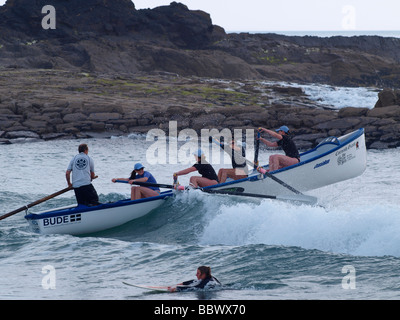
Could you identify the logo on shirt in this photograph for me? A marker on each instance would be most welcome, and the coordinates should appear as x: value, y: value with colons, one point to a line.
x: 81, y: 163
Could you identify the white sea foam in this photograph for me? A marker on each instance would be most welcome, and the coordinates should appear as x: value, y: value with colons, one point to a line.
x: 360, y: 216
x: 368, y: 230
x: 336, y: 97
x: 341, y: 97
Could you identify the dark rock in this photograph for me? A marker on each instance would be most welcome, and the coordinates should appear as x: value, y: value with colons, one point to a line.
x: 21, y: 134
x: 392, y: 111
x: 104, y: 116
x: 293, y: 91
x: 53, y: 136
x: 304, y: 145
x: 352, y: 112
x: 310, y: 137
x: 4, y: 141
x: 207, y: 121
x: 379, y: 145
x: 388, y: 97
x: 346, y: 123
x: 74, y: 117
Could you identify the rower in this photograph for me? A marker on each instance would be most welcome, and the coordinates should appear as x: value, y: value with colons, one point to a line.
x: 208, y: 175
x: 139, y: 175
x: 279, y: 161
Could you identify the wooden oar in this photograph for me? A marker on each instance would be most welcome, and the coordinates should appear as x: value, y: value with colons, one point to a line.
x: 292, y: 198
x: 157, y: 185
x: 39, y: 201
x: 269, y: 175
x: 35, y: 203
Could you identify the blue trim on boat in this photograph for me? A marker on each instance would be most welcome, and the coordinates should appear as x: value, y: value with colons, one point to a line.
x: 83, y: 208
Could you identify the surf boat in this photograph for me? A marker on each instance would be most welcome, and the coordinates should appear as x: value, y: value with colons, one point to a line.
x: 81, y: 219
x: 332, y: 160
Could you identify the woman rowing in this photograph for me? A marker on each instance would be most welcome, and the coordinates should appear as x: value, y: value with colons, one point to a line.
x: 139, y: 175
x: 279, y: 161
x: 208, y: 175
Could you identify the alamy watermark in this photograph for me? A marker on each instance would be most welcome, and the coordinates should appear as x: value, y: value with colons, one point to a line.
x: 49, y: 280
x: 349, y: 17
x: 349, y: 280
x: 49, y: 21
x: 165, y: 149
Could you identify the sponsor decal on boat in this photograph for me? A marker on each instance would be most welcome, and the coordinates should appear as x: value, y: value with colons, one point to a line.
x: 53, y: 221
x: 343, y: 155
x: 323, y: 163
x: 343, y: 158
x: 347, y: 148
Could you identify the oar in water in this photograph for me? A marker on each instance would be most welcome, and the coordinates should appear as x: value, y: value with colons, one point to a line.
x: 291, y: 198
x: 157, y: 185
x: 35, y: 203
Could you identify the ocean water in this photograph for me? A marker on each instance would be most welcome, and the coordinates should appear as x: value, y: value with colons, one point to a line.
x: 348, y: 247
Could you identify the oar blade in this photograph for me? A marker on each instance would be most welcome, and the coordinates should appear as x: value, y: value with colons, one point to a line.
x: 296, y: 198
x: 299, y: 199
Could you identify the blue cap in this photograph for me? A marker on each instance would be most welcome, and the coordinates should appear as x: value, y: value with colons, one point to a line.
x: 283, y: 128
x: 138, y: 166
x: 198, y: 153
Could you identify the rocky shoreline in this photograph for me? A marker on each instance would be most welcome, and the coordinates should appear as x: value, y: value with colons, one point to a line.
x: 109, y: 69
x: 50, y: 104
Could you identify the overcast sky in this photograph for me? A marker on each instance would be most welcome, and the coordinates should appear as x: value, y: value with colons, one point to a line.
x: 294, y: 15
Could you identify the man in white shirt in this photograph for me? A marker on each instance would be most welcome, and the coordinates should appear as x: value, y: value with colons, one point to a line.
x: 82, y: 168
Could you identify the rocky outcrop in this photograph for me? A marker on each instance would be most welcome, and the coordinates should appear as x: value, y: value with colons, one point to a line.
x: 108, y: 69
x: 82, y: 20
x: 112, y: 36
x: 39, y: 104
x: 345, y: 61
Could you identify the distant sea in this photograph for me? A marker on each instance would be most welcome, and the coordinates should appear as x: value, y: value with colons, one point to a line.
x: 326, y: 34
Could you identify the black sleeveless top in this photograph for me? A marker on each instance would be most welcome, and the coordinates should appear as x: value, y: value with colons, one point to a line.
x: 206, y: 170
x: 289, y: 147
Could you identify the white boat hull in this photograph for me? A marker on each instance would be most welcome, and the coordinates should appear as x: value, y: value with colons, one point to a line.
x: 330, y: 162
x: 78, y: 220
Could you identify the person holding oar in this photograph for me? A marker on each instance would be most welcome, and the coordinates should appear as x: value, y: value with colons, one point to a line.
x: 82, y: 168
x: 279, y: 161
x: 208, y: 175
x: 138, y: 175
